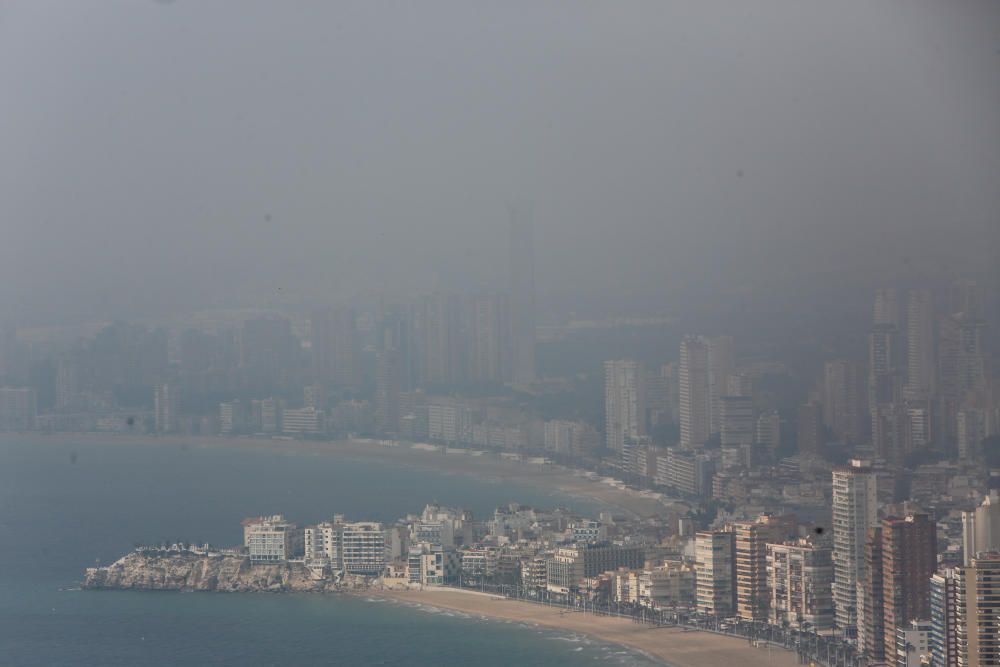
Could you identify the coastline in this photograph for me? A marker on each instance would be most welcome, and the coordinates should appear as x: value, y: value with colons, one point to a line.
x: 674, y: 647
x: 553, y: 477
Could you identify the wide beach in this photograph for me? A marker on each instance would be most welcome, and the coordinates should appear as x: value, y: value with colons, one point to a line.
x: 673, y: 646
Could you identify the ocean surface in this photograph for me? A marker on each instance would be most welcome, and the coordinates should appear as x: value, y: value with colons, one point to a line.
x: 66, y: 507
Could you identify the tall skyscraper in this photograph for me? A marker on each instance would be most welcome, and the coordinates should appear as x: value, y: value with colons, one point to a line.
x: 388, y: 387
x: 715, y: 573
x: 963, y: 371
x: 624, y: 403
x: 977, y: 608
x: 908, y: 559
x: 944, y: 639
x: 921, y: 362
x: 750, y: 554
x: 165, y: 405
x: 981, y: 528
x: 522, y: 294
x: 738, y: 423
x: 438, y: 340
x: 811, y: 439
x: 721, y: 366
x: 336, y: 348
x: 488, y: 345
x: 886, y: 309
x: 883, y: 366
x: 855, y: 509
x: 799, y: 582
x: 768, y: 432
x: 695, y: 399
x: 268, y: 351
x: 843, y: 397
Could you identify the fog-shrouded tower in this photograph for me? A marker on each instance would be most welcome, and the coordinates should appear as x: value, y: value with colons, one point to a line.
x: 522, y: 293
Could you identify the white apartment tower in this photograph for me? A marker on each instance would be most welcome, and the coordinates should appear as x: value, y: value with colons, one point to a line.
x: 624, y: 403
x: 695, y: 399
x: 855, y: 511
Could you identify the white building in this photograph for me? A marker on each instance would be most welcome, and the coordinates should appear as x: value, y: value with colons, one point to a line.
x: 913, y: 644
x: 302, y: 420
x: 695, y: 399
x: 322, y: 543
x: 715, y: 573
x: 362, y: 547
x: 981, y: 528
x: 270, y: 539
x: 165, y: 406
x: 855, y: 511
x: 432, y: 565
x: 624, y: 404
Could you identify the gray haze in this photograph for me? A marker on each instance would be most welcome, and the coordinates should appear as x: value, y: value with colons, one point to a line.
x: 157, y: 156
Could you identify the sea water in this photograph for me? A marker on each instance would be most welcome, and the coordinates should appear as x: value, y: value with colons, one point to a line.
x: 65, y: 507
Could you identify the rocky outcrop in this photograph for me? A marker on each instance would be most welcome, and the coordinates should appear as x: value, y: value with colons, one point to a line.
x: 151, y: 570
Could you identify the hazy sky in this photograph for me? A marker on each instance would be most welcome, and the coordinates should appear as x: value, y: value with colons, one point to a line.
x: 164, y: 155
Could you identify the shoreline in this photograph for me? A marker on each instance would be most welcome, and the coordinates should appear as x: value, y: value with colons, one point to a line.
x: 670, y: 646
x: 566, y: 481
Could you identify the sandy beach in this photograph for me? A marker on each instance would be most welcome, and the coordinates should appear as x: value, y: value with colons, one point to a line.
x: 487, y: 466
x: 673, y: 646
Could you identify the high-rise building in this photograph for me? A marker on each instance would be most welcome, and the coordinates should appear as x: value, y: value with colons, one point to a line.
x: 921, y: 362
x: 886, y: 309
x: 884, y: 381
x: 855, y: 509
x: 624, y: 403
x: 438, y: 340
x: 901, y: 556
x: 981, y: 528
x: 165, y: 408
x: 810, y: 434
x: 715, y: 573
x: 488, y: 345
x: 891, y: 433
x: 388, y: 389
x: 336, y: 348
x: 721, y: 365
x: 768, y: 431
x: 843, y: 398
x: 738, y: 423
x: 522, y: 294
x: 695, y: 398
x: 871, y: 599
x: 750, y: 554
x: 963, y: 371
x: 977, y: 612
x: 800, y: 584
x: 971, y: 429
x: 661, y: 395
x: 268, y: 351
x: 944, y: 638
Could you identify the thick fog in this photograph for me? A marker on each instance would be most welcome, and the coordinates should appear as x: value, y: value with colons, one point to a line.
x: 161, y: 156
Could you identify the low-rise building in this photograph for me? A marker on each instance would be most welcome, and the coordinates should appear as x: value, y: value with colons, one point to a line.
x: 270, y: 539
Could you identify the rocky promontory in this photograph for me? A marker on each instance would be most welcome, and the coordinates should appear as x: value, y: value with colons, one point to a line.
x: 187, y: 571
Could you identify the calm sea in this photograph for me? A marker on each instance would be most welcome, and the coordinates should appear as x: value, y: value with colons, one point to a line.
x: 66, y: 507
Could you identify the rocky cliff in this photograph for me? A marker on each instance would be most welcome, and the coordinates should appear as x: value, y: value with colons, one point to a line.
x: 149, y: 570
